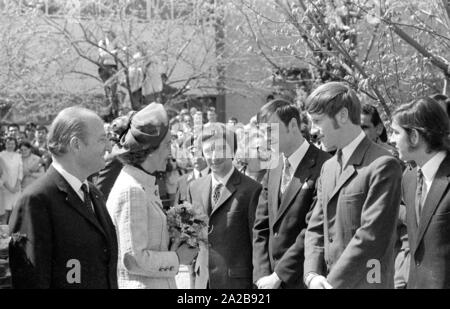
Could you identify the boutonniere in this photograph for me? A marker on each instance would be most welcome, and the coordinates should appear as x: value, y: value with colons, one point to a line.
x: 19, y: 237
x: 307, y: 184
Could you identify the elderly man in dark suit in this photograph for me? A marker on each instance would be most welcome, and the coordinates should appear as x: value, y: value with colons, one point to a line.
x: 289, y: 191
x: 230, y: 199
x: 351, y: 234
x: 62, y: 235
x: 420, y: 132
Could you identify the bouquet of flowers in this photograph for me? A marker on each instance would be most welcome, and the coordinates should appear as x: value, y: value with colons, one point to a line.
x: 188, y: 225
x: 4, y: 241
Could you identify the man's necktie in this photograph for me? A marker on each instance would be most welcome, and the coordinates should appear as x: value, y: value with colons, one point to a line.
x: 286, y: 178
x: 216, y: 194
x: 419, y: 194
x: 87, y: 199
x: 340, y: 163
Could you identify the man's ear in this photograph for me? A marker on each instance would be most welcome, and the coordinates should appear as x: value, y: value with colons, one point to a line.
x: 293, y: 124
x: 379, y: 129
x: 414, y: 137
x: 74, y: 143
x: 342, y: 116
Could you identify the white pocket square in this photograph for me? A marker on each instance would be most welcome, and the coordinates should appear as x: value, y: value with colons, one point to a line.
x: 306, y: 186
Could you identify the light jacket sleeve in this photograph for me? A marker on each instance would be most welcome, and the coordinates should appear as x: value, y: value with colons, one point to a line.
x: 135, y: 228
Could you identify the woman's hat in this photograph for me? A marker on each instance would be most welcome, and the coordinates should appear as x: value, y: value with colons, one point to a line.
x: 145, y: 129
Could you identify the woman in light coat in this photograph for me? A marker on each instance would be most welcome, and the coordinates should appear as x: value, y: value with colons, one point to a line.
x: 32, y: 166
x: 13, y: 174
x: 147, y: 258
x: 3, y: 187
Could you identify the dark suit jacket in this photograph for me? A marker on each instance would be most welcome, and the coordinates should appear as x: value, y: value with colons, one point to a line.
x: 230, y: 229
x: 351, y: 234
x: 182, y: 187
x: 430, y: 240
x: 280, y: 224
x: 105, y: 179
x: 54, y: 227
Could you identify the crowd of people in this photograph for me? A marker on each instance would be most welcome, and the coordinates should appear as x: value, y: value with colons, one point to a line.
x: 24, y: 157
x: 323, y: 197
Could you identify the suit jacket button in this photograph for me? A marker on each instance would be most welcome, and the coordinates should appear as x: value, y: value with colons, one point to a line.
x: 330, y: 239
x: 276, y: 234
x: 417, y: 263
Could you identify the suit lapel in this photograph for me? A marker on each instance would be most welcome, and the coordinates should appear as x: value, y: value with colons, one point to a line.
x: 301, y: 175
x: 410, y: 182
x: 74, y: 201
x: 100, y: 210
x: 228, y: 190
x: 205, y: 189
x: 190, y: 177
x: 274, y: 187
x: 355, y: 159
x: 434, y: 196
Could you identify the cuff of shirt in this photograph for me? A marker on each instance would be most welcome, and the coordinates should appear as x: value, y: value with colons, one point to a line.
x: 308, y: 278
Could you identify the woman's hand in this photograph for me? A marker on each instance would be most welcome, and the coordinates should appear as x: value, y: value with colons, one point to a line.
x: 186, y: 254
x: 174, y: 244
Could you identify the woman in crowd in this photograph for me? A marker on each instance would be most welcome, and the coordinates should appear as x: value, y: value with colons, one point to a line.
x: 32, y: 166
x: 3, y: 187
x: 147, y: 258
x: 13, y: 174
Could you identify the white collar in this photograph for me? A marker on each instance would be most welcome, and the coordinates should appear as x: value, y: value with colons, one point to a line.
x: 348, y: 150
x: 204, y: 172
x: 431, y: 167
x: 223, y: 180
x: 297, y: 157
x: 73, y: 181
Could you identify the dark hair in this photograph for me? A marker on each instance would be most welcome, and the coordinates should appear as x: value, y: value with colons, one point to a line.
x: 233, y: 119
x: 270, y: 97
x: 439, y: 97
x: 213, y: 131
x: 10, y: 138
x: 30, y: 125
x: 427, y: 117
x: 375, y: 118
x: 331, y: 97
x: 13, y: 125
x: 26, y: 144
x: 42, y: 128
x: 443, y: 100
x: 285, y: 110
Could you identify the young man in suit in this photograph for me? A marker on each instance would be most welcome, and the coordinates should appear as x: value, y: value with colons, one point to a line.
x: 200, y: 169
x: 289, y: 191
x: 230, y: 199
x: 420, y: 132
x: 62, y: 235
x: 351, y: 234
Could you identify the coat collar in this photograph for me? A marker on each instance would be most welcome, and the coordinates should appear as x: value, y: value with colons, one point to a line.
x: 203, y: 186
x: 301, y: 176
x: 434, y: 196
x: 228, y: 190
x: 74, y: 201
x: 356, y: 159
